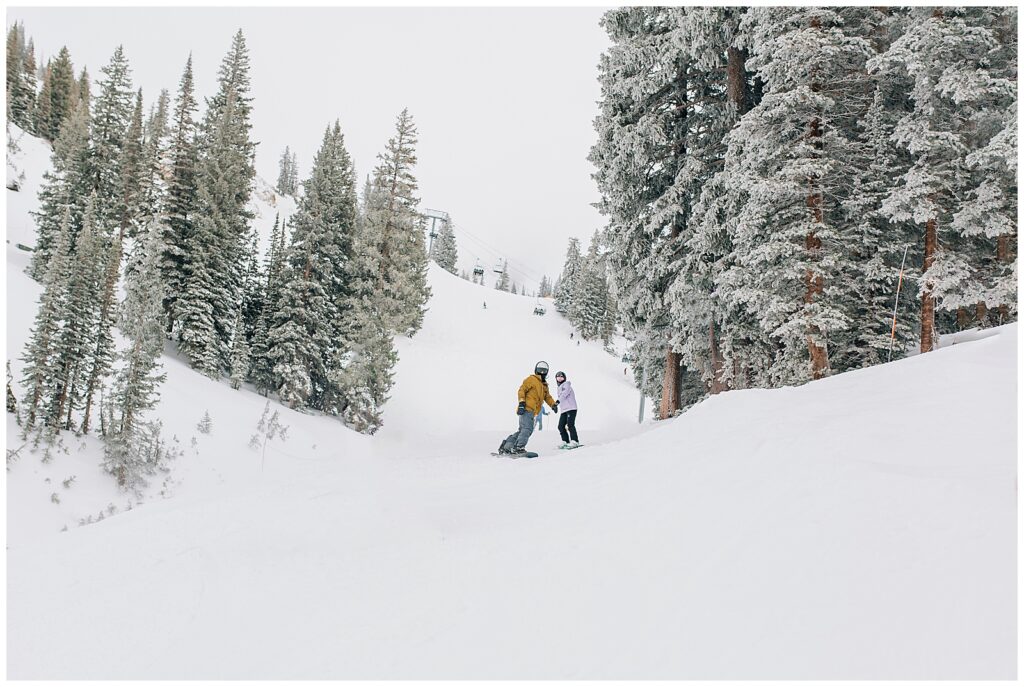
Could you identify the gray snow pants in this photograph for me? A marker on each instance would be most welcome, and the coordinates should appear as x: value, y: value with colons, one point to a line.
x: 526, y: 421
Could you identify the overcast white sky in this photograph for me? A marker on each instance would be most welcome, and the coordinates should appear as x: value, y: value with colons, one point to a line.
x: 504, y: 99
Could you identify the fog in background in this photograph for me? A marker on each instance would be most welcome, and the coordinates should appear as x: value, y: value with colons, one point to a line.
x: 504, y: 99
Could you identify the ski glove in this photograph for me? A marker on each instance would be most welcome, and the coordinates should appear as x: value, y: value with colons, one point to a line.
x: 522, y: 408
x: 555, y: 407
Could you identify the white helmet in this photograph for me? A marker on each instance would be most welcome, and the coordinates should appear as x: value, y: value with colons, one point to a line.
x: 541, y: 368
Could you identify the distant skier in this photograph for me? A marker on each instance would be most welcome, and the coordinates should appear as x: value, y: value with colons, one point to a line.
x: 567, y: 423
x: 533, y: 394
x: 540, y: 417
x: 485, y: 305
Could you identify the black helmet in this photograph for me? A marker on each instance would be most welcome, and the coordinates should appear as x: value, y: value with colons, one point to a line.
x: 541, y: 368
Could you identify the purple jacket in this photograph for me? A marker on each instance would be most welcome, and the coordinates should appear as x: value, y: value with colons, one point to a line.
x: 566, y: 396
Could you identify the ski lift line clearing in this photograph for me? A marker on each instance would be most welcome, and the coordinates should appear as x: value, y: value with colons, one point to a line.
x: 490, y: 249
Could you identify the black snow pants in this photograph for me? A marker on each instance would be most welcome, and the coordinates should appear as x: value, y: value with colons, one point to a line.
x: 568, y: 421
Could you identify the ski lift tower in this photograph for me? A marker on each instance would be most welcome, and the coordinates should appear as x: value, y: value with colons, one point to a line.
x: 433, y: 216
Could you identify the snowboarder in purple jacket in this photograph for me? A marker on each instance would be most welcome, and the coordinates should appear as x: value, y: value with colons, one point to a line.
x: 567, y: 407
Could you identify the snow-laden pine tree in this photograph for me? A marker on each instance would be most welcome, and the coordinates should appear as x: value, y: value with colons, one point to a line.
x: 21, y: 82
x: 62, y: 94
x: 590, y: 296
x: 74, y: 346
x: 155, y: 163
x: 788, y: 160
x: 445, y: 251
x: 239, y: 364
x: 261, y: 366
x: 41, y: 114
x: 287, y: 180
x: 111, y: 117
x: 29, y: 79
x: 131, y: 176
x: 640, y: 153
x: 959, y: 85
x: 716, y: 79
x: 132, y: 449
x: 503, y: 283
x: 873, y: 245
x: 986, y: 218
x: 305, y: 329
x: 362, y: 371
x: 566, y: 285
x: 293, y: 174
x: 99, y: 358
x: 252, y: 292
x: 41, y: 364
x: 218, y: 245
x: 392, y: 223
x: 66, y: 188
x: 182, y: 200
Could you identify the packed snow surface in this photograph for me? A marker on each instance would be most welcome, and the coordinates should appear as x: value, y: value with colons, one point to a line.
x: 858, y: 527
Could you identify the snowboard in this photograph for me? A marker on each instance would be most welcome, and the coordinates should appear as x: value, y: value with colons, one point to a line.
x: 528, y: 454
x: 570, y: 448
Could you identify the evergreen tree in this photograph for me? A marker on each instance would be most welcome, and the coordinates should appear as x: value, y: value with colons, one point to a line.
x: 218, y: 246
x: 73, y: 347
x: 945, y: 52
x: 15, y: 67
x: 155, y: 163
x: 41, y: 114
x: 20, y: 88
x: 239, y: 355
x: 445, y: 251
x: 252, y: 292
x: 317, y: 285
x: 131, y: 183
x: 41, y: 365
x: 363, y: 368
x: 129, y: 453
x: 100, y: 358
x: 62, y: 93
x: 589, y: 298
x: 261, y: 364
x: 566, y: 285
x: 299, y: 328
x: 293, y: 174
x: 392, y: 224
x: 112, y: 114
x: 84, y: 89
x: 182, y: 200
x: 287, y: 179
x: 65, y: 188
x: 503, y: 281
x: 641, y: 150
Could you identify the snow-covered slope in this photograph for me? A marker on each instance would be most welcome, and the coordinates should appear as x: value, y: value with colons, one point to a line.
x: 858, y: 527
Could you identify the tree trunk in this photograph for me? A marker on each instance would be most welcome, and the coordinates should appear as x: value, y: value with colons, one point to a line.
x: 717, y: 364
x: 670, y: 387
x: 927, y: 302
x: 738, y: 90
x: 1004, y: 257
x: 814, y: 282
x: 107, y: 309
x: 981, y: 313
x: 962, y: 319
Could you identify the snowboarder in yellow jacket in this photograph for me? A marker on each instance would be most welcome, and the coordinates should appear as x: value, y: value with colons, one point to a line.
x: 533, y: 394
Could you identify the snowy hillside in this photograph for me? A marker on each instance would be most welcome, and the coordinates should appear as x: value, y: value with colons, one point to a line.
x: 858, y: 527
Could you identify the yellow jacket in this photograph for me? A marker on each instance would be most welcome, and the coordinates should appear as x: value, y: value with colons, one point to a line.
x: 535, y: 393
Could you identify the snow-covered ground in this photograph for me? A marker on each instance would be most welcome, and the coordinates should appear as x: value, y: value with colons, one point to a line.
x: 863, y: 526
